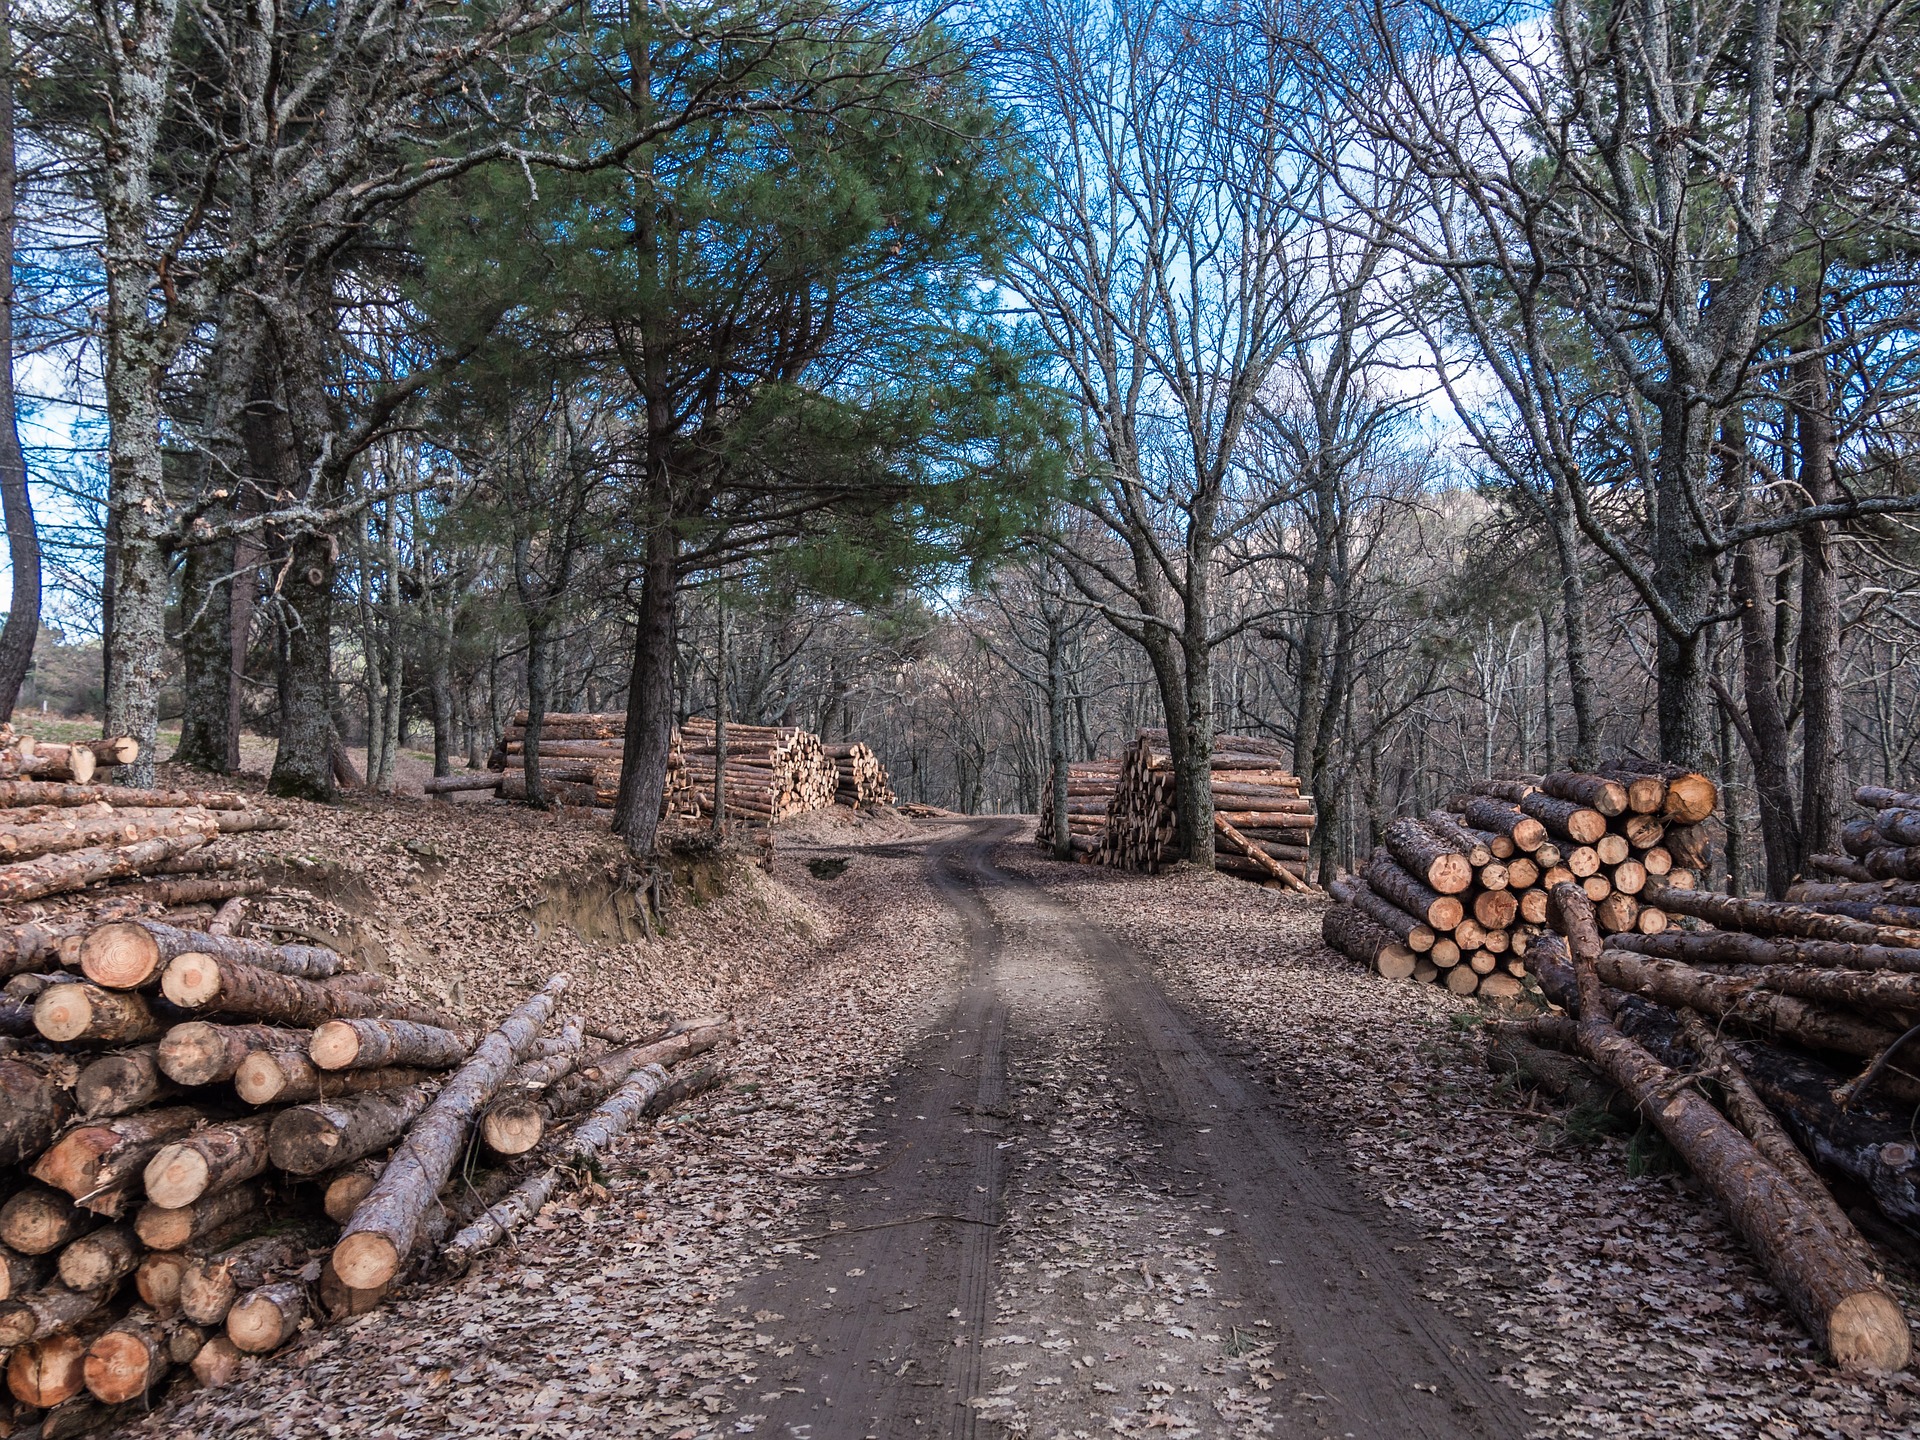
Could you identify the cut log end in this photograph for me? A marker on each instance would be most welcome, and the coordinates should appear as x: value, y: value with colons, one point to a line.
x: 266, y: 1319
x: 335, y: 1045
x: 260, y: 1078
x: 177, y: 1176
x: 1866, y: 1331
x: 120, y: 1366
x: 119, y: 956
x: 64, y: 1012
x: 513, y: 1128
x: 366, y: 1260
x: 217, y: 1363
x: 191, y: 980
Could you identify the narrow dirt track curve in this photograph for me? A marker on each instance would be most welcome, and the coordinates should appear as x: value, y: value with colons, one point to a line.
x: 890, y: 1309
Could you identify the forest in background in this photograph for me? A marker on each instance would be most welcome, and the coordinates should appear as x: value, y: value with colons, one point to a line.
x: 1433, y: 392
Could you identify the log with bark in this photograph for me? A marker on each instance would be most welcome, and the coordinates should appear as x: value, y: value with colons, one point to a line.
x: 163, y: 1227
x: 383, y: 1043
x: 100, y: 1259
x: 644, y: 1092
x: 202, y: 1052
x: 122, y: 1081
x: 75, y: 870
x: 50, y: 1310
x: 129, y: 953
x: 215, y: 1158
x: 519, y: 1119
x: 321, y: 1135
x: 212, y: 1284
x: 1842, y: 1304
x: 1428, y: 856
x: 380, y: 1237
x: 137, y: 1352
x: 97, y: 1163
x: 83, y: 1014
x: 267, y: 1317
x: 36, y: 1099
x: 38, y: 1220
x: 289, y: 1077
x: 210, y: 984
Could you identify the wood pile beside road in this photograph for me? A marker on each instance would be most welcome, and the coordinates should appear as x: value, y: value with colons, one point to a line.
x: 1767, y: 1042
x: 1457, y: 896
x: 210, y: 1140
x: 773, y: 771
x: 1125, y: 812
x: 862, y: 780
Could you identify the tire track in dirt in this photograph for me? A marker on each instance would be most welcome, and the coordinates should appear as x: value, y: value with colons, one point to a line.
x: 1300, y: 1243
x: 883, y: 1313
x: 886, y: 1306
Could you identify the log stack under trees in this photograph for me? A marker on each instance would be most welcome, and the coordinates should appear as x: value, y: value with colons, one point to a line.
x: 773, y: 771
x: 1883, y: 848
x: 1457, y: 896
x: 862, y: 780
x: 194, y: 1122
x: 1123, y: 813
x: 1091, y: 786
x: 1796, y: 1014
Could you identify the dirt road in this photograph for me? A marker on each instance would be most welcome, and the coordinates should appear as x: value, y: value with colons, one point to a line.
x: 1085, y: 1217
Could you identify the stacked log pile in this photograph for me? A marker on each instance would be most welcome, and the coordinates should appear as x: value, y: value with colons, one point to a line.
x: 1883, y: 846
x: 1767, y: 1048
x: 147, y: 847
x: 773, y: 771
x: 862, y: 780
x: 1125, y: 813
x: 1091, y: 786
x: 1457, y: 896
x: 209, y: 1139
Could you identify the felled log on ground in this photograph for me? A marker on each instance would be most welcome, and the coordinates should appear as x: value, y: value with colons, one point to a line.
x: 519, y: 1119
x: 320, y: 1135
x: 381, y: 1235
x: 75, y: 870
x: 646, y: 1091
x: 211, y: 985
x: 1841, y: 1303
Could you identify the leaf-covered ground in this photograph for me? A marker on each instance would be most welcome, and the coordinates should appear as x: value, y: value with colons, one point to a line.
x: 1611, y: 1305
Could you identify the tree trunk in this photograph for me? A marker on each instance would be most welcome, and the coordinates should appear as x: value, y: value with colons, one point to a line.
x: 206, y: 653
x: 649, y: 728
x: 1573, y: 620
x: 720, y: 716
x: 1769, y: 745
x: 16, y: 502
x: 1057, y: 762
x: 1683, y: 575
x: 303, y: 765
x: 1820, y: 618
x: 539, y: 663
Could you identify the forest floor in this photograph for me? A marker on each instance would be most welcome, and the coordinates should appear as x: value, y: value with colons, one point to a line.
x: 1016, y: 1148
